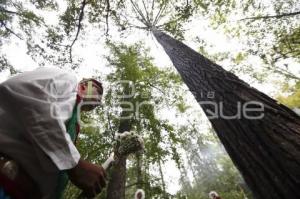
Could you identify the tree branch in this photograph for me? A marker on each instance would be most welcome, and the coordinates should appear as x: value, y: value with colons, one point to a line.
x: 286, y: 73
x: 81, y: 14
x: 139, y: 13
x: 107, y: 15
x: 146, y: 11
x: 152, y: 10
x: 272, y: 16
x: 153, y: 86
x: 10, y: 30
x: 160, y: 12
x: 136, y: 183
x: 8, y: 11
x: 138, y: 27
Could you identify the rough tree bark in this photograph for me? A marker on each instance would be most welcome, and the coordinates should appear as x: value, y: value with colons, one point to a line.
x: 139, y: 182
x: 117, y: 180
x: 266, y: 150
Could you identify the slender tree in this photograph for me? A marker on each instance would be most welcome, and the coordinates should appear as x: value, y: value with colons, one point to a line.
x: 137, y: 86
x: 266, y: 150
x: 116, y: 185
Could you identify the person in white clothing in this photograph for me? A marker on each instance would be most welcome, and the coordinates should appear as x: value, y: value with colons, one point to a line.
x: 38, y: 128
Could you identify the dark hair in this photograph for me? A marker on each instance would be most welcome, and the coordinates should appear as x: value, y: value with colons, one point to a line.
x: 96, y: 82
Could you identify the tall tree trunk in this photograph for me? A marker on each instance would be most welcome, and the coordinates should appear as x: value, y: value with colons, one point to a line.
x: 266, y: 150
x: 139, y: 177
x: 117, y: 180
x: 146, y: 179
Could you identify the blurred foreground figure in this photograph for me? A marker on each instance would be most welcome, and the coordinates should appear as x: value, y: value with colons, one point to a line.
x: 39, y: 112
x: 139, y: 194
x: 214, y: 195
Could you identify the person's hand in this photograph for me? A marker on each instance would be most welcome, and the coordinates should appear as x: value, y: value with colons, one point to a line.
x: 89, y: 177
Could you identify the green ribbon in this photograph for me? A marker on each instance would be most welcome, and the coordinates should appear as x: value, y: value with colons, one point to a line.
x: 63, y: 177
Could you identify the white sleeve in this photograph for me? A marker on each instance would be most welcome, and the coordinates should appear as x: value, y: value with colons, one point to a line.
x: 43, y: 101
